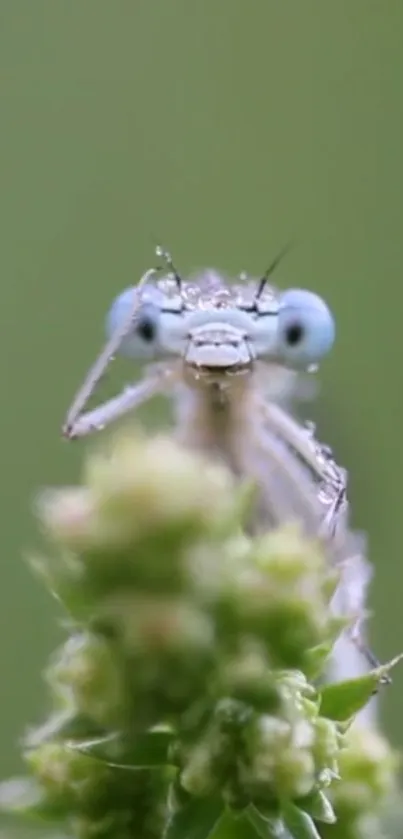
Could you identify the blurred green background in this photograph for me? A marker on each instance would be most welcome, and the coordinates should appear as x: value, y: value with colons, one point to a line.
x: 223, y: 128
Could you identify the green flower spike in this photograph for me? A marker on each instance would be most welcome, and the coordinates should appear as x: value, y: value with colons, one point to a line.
x: 183, y: 700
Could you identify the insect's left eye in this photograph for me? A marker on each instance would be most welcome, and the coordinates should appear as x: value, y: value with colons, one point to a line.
x: 306, y: 328
x: 142, y: 341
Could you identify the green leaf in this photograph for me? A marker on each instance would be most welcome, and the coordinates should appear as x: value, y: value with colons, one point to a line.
x: 265, y: 827
x: 195, y: 820
x: 342, y: 700
x: 125, y: 751
x: 315, y: 659
x: 64, y: 725
x: 300, y: 825
x: 319, y: 807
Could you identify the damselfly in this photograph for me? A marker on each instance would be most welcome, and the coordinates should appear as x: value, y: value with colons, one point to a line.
x: 227, y: 352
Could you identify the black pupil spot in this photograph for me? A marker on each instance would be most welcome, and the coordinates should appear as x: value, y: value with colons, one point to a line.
x: 294, y: 334
x: 146, y: 328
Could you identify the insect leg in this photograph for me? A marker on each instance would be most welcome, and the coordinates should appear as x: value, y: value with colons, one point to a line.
x: 359, y: 573
x: 295, y: 436
x: 104, y: 359
x: 106, y: 413
x: 292, y: 483
x: 333, y: 528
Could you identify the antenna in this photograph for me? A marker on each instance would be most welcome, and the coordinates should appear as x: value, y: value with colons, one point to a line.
x: 263, y: 281
x: 167, y: 258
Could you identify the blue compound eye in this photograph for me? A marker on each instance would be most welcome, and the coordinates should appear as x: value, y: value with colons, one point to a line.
x: 306, y: 328
x: 142, y: 341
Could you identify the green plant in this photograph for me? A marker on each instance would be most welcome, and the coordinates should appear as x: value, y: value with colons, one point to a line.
x: 185, y: 701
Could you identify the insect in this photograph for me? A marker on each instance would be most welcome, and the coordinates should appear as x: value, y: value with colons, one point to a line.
x: 229, y: 353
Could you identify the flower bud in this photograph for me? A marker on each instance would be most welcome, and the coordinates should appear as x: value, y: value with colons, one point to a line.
x: 70, y: 779
x: 87, y: 670
x: 326, y: 748
x: 149, y: 484
x: 199, y: 777
x: 368, y: 769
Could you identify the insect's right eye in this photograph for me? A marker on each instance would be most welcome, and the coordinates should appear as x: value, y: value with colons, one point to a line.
x: 306, y: 328
x: 142, y: 339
